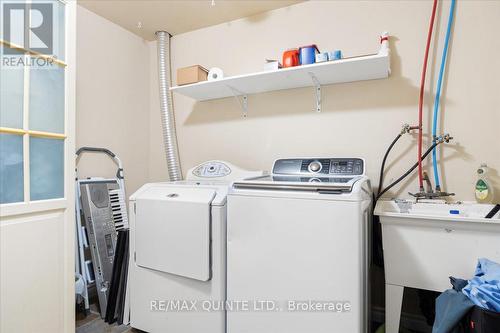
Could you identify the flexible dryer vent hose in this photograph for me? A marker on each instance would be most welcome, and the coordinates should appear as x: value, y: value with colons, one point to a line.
x: 166, y: 107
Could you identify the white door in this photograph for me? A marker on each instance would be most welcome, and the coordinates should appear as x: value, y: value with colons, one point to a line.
x: 37, y: 85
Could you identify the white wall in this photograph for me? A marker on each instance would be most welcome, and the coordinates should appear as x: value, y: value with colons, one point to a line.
x: 112, y: 98
x: 118, y: 107
x: 358, y: 119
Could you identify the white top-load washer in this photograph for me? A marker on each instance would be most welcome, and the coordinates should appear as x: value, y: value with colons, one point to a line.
x: 178, y: 251
x: 298, y: 248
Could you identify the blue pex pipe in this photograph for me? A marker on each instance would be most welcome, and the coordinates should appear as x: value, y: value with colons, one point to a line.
x: 438, y: 92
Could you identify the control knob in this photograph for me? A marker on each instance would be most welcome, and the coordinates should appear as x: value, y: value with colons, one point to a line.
x: 315, y: 166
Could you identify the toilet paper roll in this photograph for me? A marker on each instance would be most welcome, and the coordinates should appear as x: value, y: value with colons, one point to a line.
x: 215, y: 73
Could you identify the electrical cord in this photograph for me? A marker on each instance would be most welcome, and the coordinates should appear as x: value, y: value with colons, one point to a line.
x: 431, y: 148
x: 382, y: 167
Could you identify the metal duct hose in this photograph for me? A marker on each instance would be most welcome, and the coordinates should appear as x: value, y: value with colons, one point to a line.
x: 166, y: 107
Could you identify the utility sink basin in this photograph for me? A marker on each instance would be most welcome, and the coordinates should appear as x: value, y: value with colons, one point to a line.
x: 427, y: 242
x: 435, y: 211
x: 424, y: 243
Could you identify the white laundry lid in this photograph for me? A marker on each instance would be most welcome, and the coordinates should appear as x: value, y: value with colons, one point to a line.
x: 188, y: 189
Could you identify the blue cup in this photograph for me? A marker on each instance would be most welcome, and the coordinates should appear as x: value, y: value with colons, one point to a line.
x: 335, y: 55
x: 307, y: 54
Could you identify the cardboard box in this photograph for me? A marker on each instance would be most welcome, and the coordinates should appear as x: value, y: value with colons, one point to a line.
x: 191, y: 74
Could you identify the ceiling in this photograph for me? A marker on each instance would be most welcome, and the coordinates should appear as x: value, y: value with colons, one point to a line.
x: 144, y: 17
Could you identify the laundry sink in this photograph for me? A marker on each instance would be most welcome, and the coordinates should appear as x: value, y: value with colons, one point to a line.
x: 432, y: 211
x: 427, y: 242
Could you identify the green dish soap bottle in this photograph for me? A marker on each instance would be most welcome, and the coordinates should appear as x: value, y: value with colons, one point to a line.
x: 484, y: 189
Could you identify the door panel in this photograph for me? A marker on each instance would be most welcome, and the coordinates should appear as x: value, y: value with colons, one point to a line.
x: 173, y: 232
x: 32, y: 273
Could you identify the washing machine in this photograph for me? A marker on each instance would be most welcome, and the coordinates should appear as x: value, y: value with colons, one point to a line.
x: 298, y: 248
x: 177, y: 274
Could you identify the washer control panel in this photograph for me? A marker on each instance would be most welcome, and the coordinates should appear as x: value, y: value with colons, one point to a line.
x: 320, y: 166
x: 212, y: 169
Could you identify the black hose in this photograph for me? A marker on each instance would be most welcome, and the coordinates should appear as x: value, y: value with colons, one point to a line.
x: 377, y: 248
x: 431, y: 148
x: 382, y: 167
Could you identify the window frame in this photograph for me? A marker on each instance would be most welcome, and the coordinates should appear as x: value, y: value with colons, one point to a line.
x: 27, y: 205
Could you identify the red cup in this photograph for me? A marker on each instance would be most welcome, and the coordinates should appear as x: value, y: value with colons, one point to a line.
x: 291, y: 58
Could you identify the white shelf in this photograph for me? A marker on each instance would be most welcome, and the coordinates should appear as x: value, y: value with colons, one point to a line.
x: 370, y: 67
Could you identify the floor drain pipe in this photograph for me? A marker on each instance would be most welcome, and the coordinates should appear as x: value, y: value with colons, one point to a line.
x: 166, y: 107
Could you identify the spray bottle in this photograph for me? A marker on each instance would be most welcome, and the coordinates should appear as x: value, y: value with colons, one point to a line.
x: 484, y: 189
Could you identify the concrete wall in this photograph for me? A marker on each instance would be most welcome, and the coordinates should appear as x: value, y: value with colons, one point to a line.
x: 358, y: 119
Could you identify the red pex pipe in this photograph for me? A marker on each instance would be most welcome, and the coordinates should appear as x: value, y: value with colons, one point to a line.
x: 421, y: 98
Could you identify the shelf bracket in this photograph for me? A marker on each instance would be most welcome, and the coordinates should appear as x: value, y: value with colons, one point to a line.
x: 317, y: 88
x: 242, y: 99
